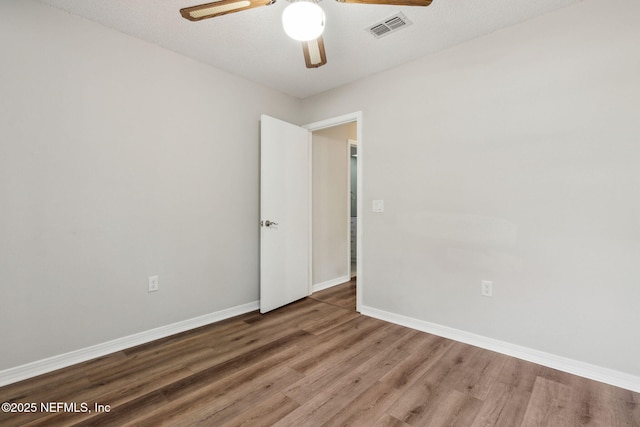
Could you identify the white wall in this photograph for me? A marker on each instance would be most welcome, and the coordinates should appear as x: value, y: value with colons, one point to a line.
x: 511, y: 158
x: 330, y: 202
x: 119, y: 160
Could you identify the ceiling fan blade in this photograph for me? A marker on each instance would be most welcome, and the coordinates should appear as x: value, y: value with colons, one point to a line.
x: 222, y: 7
x: 391, y: 2
x: 314, y: 54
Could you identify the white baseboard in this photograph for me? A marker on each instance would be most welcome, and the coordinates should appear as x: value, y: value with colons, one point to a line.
x: 50, y: 364
x: 330, y: 283
x: 582, y: 369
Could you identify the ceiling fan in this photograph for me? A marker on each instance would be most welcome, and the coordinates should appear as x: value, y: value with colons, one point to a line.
x: 303, y: 20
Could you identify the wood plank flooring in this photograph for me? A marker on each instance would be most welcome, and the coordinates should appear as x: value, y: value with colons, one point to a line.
x: 316, y: 362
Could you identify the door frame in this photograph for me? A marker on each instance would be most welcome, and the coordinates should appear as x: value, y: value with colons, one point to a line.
x: 336, y: 121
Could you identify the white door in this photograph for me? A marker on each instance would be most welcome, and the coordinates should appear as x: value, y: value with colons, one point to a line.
x: 285, y: 225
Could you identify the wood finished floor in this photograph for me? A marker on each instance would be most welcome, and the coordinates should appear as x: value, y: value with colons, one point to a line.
x: 318, y: 363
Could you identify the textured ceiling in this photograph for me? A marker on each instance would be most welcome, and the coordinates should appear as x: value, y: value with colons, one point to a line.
x: 252, y: 43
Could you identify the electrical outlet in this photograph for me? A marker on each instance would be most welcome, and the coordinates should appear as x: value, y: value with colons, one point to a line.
x: 153, y: 283
x: 487, y: 288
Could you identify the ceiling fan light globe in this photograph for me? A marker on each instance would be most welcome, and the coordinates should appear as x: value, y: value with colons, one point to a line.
x: 303, y: 21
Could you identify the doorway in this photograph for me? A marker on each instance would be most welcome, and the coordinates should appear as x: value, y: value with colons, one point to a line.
x: 332, y: 210
x: 353, y: 206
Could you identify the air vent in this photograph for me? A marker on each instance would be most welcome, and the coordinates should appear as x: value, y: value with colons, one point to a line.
x: 389, y: 25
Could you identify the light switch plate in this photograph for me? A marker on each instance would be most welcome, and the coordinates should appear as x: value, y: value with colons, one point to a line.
x: 153, y: 283
x: 378, y: 205
x: 487, y: 288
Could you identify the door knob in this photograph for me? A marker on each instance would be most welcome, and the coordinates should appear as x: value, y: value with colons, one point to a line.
x: 268, y: 223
